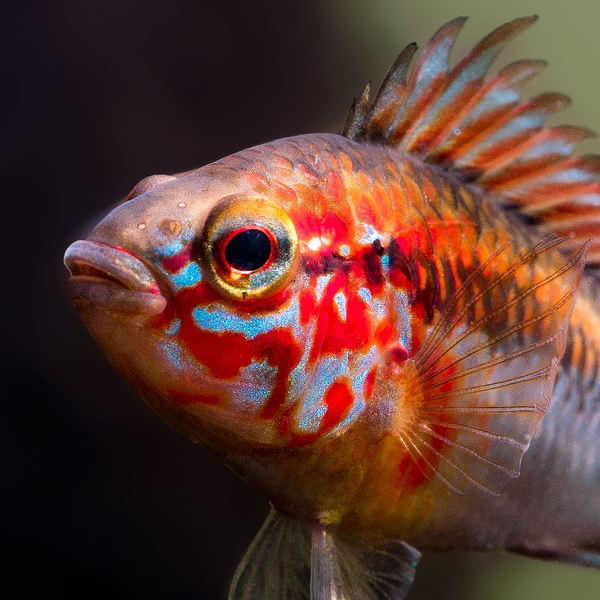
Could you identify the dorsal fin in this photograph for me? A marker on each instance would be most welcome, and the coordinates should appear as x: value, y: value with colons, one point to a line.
x: 484, y: 132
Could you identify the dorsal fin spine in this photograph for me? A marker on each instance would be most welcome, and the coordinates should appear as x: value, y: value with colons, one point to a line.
x: 484, y: 132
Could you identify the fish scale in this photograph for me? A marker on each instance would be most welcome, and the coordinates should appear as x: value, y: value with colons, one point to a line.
x: 403, y: 359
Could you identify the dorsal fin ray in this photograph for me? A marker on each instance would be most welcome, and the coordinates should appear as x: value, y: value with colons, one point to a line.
x: 483, y: 130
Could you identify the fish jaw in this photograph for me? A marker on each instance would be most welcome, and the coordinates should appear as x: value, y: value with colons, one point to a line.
x: 112, y: 279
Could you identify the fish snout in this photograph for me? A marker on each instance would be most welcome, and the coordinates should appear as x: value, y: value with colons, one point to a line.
x: 112, y: 279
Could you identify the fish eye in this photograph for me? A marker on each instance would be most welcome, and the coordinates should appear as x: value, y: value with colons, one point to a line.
x: 249, y: 248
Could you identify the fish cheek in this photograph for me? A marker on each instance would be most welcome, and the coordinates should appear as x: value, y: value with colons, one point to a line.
x: 128, y: 342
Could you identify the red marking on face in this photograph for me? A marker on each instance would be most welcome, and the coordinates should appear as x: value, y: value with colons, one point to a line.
x: 308, y: 303
x: 226, y: 353
x: 369, y: 384
x: 333, y: 334
x: 281, y: 349
x: 201, y: 294
x: 175, y: 263
x: 185, y: 399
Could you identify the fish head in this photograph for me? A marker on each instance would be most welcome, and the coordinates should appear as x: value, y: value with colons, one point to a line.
x: 191, y: 287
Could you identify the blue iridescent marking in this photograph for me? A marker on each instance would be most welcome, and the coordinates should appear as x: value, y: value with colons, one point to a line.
x: 378, y: 308
x: 312, y: 407
x: 189, y: 276
x: 404, y: 318
x: 385, y: 262
x: 360, y: 368
x: 345, y: 250
x: 365, y: 294
x: 370, y: 236
x: 172, y: 247
x: 174, y: 327
x: 340, y: 300
x: 251, y: 389
x: 298, y: 376
x: 218, y: 319
x: 322, y: 282
x: 173, y: 352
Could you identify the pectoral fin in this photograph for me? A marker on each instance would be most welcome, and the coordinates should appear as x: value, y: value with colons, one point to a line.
x: 289, y: 560
x: 486, y: 371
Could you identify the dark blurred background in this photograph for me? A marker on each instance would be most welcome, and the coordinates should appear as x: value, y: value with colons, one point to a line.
x: 98, y: 497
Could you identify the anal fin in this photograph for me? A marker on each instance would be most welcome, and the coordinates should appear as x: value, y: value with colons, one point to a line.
x: 347, y: 571
x: 290, y: 560
x: 277, y: 563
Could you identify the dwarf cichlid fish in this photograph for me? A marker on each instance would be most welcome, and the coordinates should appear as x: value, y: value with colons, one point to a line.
x: 392, y: 333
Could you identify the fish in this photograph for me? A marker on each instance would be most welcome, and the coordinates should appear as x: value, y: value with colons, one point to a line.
x: 392, y: 333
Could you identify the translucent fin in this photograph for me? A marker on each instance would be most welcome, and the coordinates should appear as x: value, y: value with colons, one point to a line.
x: 487, y: 368
x: 483, y: 130
x: 289, y: 560
x: 277, y: 564
x: 345, y: 571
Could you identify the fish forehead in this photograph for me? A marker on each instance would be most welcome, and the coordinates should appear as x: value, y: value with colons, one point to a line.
x: 271, y: 170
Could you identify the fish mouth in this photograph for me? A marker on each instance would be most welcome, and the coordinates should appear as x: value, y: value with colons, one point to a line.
x: 112, y: 279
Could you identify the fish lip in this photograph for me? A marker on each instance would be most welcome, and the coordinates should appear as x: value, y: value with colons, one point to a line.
x: 112, y: 278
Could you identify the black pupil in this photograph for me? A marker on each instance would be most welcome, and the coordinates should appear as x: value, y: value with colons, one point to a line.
x: 248, y: 250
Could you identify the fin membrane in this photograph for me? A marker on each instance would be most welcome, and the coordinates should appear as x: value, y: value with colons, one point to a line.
x: 486, y: 370
x: 289, y: 560
x: 483, y: 130
x: 277, y: 564
x: 366, y: 572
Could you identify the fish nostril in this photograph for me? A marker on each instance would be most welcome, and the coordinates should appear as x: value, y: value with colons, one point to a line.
x: 171, y: 227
